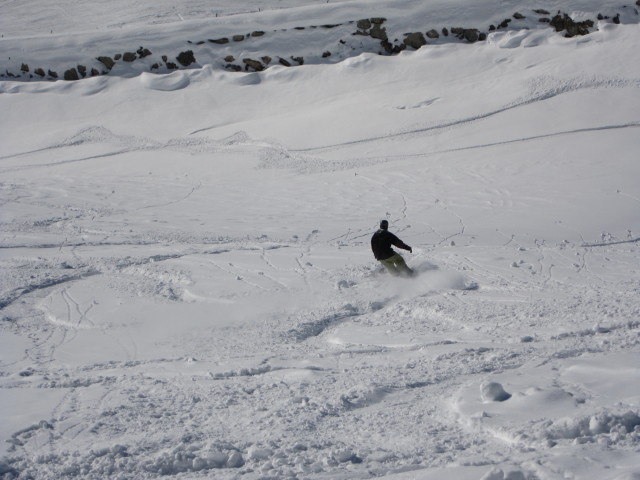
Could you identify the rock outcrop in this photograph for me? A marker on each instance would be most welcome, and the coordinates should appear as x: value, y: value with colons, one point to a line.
x: 252, y: 65
x: 375, y: 28
x: 414, y: 40
x: 186, y: 58
x: 565, y: 22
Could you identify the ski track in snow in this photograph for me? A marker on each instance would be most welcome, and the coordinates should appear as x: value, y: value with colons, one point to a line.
x: 546, y: 94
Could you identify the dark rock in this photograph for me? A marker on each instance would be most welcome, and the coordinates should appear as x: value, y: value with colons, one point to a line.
x: 117, y: 56
x: 364, y: 24
x: 445, y: 32
x: 333, y: 25
x: 186, y: 58
x: 541, y: 11
x: 492, y: 28
x: 229, y: 58
x: 82, y: 70
x: 544, y: 20
x: 155, y: 66
x: 172, y: 66
x: 24, y: 67
x: 220, y: 41
x: 266, y: 59
x: 299, y: 28
x: 505, y: 23
x: 164, y: 58
x: 71, y: 74
x: 232, y: 67
x: 284, y: 62
x: 414, y: 40
x: 326, y: 54
x: 257, y: 33
x: 95, y: 72
x: 39, y: 72
x: 565, y: 22
x: 143, y: 52
x: 52, y: 74
x: 482, y: 37
x: 616, y: 19
x: 129, y: 57
x: 392, y: 49
x: 471, y: 35
x: 378, y: 32
x: 433, y: 34
x: 518, y: 16
x: 387, y: 46
x: 107, y: 62
x: 299, y: 60
x: 378, y: 20
x: 201, y: 42
x: 238, y: 38
x: 254, y: 65
x: 560, y: 23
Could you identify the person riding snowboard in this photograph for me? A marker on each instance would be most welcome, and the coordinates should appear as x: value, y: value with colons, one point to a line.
x: 381, y: 245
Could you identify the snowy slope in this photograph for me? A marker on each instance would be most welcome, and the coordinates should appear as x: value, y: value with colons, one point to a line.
x: 187, y: 288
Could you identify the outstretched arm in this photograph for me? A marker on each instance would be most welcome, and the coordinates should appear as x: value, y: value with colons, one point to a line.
x: 400, y: 244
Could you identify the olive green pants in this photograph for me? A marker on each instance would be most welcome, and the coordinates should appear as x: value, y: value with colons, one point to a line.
x: 396, y: 265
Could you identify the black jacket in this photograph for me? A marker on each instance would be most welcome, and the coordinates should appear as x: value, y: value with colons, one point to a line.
x: 381, y: 244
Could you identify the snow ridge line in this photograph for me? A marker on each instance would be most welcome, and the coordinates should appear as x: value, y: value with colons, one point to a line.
x: 606, y: 244
x: 80, y: 244
x: 537, y: 137
x: 128, y: 143
x: 19, y: 292
x: 508, y: 142
x: 63, y: 162
x: 528, y: 101
x: 307, y: 330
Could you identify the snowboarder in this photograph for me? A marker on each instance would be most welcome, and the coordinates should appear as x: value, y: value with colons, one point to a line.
x: 381, y: 245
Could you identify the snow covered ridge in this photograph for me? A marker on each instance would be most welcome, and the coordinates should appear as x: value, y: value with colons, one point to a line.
x: 258, y: 49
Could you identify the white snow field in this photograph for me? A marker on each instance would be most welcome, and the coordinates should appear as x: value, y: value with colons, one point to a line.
x: 187, y: 286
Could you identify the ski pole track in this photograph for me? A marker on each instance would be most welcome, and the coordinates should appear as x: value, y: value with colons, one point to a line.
x: 239, y: 277
x: 625, y: 194
x: 173, y: 202
x: 302, y: 271
x: 403, y: 200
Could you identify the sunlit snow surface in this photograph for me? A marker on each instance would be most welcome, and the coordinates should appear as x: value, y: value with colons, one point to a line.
x: 187, y: 287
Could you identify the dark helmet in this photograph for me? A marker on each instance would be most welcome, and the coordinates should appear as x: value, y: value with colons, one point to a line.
x: 384, y: 224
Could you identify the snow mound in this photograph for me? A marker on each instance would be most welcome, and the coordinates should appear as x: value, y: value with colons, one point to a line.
x: 493, y: 392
